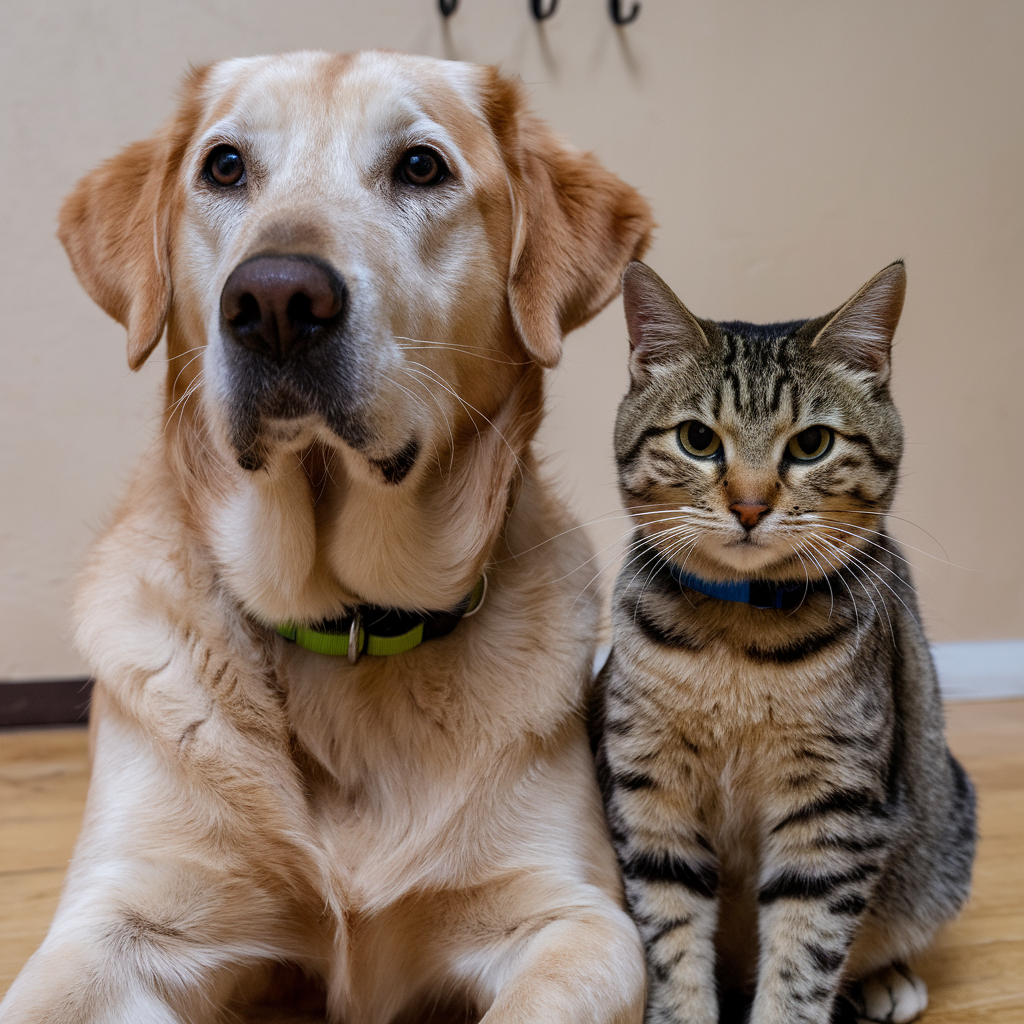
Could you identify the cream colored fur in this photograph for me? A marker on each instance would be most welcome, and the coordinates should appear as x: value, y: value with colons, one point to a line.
x: 387, y: 840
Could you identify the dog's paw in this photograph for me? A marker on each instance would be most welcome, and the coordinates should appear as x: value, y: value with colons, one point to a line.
x: 894, y: 995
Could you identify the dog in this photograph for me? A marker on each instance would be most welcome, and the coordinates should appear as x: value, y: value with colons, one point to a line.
x: 363, y: 264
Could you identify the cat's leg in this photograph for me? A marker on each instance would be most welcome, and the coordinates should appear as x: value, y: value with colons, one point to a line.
x: 672, y: 895
x: 820, y: 864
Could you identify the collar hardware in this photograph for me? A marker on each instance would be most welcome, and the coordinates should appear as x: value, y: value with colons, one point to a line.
x: 355, y: 639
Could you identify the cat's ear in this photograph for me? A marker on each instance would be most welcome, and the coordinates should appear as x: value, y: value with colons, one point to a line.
x: 660, y: 326
x: 860, y: 333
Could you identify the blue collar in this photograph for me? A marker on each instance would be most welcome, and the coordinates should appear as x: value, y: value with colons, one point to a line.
x: 756, y: 593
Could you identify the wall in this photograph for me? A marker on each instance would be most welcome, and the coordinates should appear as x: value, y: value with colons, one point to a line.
x: 790, y: 150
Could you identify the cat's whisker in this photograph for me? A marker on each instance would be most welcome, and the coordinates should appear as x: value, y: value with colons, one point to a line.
x: 854, y: 559
x: 847, y: 558
x: 655, y: 557
x: 657, y: 560
x: 608, y: 517
x: 637, y: 542
x: 808, y: 550
x: 850, y: 553
x: 903, y: 544
x: 881, y: 547
x: 895, y: 514
x: 807, y: 586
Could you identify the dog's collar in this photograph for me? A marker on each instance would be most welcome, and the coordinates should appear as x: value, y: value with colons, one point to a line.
x: 762, y: 594
x: 371, y: 629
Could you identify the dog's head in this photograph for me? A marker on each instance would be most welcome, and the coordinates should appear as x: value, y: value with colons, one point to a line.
x: 362, y: 263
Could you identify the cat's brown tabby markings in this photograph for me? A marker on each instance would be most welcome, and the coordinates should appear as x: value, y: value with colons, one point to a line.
x: 790, y: 822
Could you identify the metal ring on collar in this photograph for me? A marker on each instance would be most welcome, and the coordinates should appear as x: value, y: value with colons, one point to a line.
x: 480, y: 603
x: 353, y: 637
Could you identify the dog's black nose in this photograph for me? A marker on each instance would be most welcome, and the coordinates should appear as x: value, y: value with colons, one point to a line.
x: 281, y: 305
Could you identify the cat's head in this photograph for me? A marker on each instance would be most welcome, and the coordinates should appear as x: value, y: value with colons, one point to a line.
x: 759, y: 451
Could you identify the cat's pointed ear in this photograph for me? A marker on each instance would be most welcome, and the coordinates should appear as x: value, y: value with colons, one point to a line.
x: 860, y: 333
x: 660, y: 326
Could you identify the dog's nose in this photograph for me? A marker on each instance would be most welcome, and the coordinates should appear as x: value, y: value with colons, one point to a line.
x: 280, y: 305
x: 748, y: 513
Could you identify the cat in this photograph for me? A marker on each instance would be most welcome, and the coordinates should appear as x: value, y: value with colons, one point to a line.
x: 768, y: 731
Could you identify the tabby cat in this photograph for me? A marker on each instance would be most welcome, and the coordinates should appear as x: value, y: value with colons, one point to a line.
x: 768, y: 728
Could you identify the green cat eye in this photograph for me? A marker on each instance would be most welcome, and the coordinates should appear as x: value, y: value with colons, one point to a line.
x: 810, y: 444
x: 698, y: 439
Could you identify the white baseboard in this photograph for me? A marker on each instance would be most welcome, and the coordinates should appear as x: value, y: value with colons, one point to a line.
x: 980, y: 669
x: 972, y: 670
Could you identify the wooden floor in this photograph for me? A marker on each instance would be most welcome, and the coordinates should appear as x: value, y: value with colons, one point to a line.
x: 975, y: 972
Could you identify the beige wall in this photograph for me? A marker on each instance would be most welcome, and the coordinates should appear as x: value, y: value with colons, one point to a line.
x: 790, y: 150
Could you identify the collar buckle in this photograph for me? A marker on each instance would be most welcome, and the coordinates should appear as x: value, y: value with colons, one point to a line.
x: 355, y: 636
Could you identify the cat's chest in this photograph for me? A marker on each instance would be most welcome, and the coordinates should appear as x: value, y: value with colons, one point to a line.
x: 725, y: 690
x: 737, y: 667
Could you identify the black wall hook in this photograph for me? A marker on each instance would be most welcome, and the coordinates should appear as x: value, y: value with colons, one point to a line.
x: 616, y: 12
x: 447, y: 7
x: 537, y: 6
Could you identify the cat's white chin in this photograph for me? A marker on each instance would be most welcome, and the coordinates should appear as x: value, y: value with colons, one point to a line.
x: 747, y: 557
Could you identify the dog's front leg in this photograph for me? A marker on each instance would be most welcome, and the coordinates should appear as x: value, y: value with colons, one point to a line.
x: 161, y: 915
x: 583, y: 967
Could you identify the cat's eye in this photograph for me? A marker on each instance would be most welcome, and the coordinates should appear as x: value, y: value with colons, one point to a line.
x: 224, y: 166
x: 422, y: 166
x: 698, y: 439
x: 810, y: 444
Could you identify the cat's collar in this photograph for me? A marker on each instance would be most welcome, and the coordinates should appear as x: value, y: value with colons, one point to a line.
x: 761, y: 594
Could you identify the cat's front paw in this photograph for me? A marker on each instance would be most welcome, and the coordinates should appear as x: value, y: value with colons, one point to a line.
x: 893, y: 995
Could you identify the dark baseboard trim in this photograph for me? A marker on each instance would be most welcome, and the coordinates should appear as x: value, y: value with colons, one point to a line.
x: 45, y: 702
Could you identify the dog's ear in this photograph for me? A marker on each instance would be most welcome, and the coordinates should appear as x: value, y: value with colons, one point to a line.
x: 116, y: 228
x: 575, y: 226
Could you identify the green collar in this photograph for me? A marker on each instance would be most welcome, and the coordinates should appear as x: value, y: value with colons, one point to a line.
x: 371, y: 629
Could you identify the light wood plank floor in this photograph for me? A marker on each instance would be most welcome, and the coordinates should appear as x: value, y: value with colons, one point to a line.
x: 975, y: 972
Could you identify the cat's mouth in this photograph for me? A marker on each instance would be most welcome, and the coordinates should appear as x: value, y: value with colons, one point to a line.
x: 754, y: 552
x: 749, y: 541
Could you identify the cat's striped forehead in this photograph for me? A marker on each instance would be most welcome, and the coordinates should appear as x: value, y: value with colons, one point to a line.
x: 757, y: 369
x: 757, y: 376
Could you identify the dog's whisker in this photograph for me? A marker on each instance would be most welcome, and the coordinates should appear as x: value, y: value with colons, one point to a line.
x: 468, y: 349
x: 471, y: 408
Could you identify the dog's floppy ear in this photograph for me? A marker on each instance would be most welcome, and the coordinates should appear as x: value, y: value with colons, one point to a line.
x: 116, y: 226
x: 576, y: 226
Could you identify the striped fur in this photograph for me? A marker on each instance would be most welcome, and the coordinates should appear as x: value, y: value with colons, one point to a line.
x: 790, y: 823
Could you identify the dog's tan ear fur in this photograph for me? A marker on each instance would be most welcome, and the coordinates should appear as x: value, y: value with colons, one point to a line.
x: 116, y: 227
x: 576, y: 226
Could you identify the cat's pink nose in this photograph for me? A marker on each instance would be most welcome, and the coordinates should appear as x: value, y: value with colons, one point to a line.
x: 748, y: 513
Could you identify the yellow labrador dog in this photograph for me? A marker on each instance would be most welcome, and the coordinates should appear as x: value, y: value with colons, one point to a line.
x: 339, y: 627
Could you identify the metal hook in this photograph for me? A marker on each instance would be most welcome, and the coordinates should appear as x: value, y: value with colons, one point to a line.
x: 447, y: 7
x: 618, y: 17
x: 538, y: 10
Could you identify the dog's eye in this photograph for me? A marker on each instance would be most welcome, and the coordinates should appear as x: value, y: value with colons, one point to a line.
x: 224, y: 166
x: 422, y: 166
